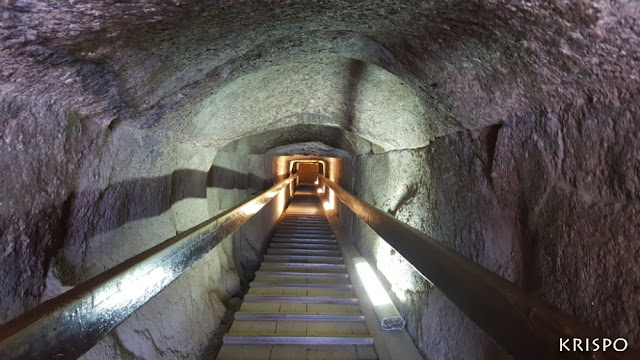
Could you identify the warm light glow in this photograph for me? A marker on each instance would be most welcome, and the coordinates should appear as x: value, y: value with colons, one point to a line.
x: 250, y: 209
x: 320, y: 191
x: 317, y: 182
x: 330, y: 204
x: 136, y: 287
x: 397, y: 271
x: 377, y: 295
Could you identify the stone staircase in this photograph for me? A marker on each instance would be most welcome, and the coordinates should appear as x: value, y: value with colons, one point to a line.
x: 301, y: 304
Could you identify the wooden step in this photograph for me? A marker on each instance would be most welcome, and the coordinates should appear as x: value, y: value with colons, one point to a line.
x: 291, y: 222
x: 305, y: 226
x: 298, y: 317
x: 294, y: 245
x: 313, y: 209
x: 264, y: 273
x: 285, y: 235
x: 296, y: 352
x: 303, y: 252
x: 299, y: 291
x: 303, y: 258
x: 309, y: 271
x: 303, y: 236
x: 293, y: 211
x: 306, y: 279
x: 305, y: 220
x: 314, y: 229
x: 337, y: 286
x: 304, y: 230
x: 302, y: 215
x: 300, y: 267
x: 299, y: 239
x: 298, y: 340
x: 307, y: 308
x: 303, y: 299
x: 303, y: 241
x: 298, y: 328
x: 304, y: 265
x: 288, y: 226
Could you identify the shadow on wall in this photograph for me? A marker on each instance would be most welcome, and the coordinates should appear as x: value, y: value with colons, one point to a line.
x: 86, y: 214
x: 33, y: 240
x: 350, y: 95
x: 136, y: 199
x: 224, y: 178
x: 96, y: 211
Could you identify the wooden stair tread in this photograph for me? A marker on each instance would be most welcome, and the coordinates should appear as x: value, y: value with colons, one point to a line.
x: 302, y: 236
x: 311, y: 308
x: 303, y: 241
x: 307, y: 340
x: 303, y: 265
x: 292, y: 245
x: 296, y: 352
x: 272, y: 251
x: 310, y: 258
x: 303, y: 299
x: 345, y: 317
x: 301, y: 303
x: 256, y: 284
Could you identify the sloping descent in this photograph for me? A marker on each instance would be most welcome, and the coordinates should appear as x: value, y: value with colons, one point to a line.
x: 301, y: 304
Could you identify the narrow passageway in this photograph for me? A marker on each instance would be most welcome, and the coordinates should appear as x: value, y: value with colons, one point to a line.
x: 301, y: 304
x: 478, y: 158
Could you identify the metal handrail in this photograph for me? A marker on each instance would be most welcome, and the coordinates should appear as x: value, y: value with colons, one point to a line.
x: 67, y: 326
x: 524, y: 326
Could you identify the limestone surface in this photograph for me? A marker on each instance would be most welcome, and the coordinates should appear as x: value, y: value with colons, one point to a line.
x: 507, y: 129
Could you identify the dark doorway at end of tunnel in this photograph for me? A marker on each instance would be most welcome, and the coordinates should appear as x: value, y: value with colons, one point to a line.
x: 308, y: 172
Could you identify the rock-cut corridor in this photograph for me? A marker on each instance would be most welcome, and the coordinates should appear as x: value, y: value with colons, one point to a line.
x: 508, y: 130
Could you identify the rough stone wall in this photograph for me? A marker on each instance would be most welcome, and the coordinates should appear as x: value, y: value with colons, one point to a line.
x: 548, y: 200
x: 36, y: 187
x: 76, y: 76
x: 233, y: 179
x: 127, y: 202
x: 403, y: 183
x: 98, y: 204
x: 187, y: 319
x: 573, y: 190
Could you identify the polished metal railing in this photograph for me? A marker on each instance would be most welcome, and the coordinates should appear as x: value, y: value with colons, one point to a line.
x: 526, y: 327
x: 67, y: 326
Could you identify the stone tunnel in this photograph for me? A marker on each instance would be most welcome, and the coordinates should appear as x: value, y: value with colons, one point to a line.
x: 507, y: 130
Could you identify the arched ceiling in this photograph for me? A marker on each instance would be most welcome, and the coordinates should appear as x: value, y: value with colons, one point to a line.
x: 307, y: 149
x: 215, y: 71
x: 348, y: 94
x: 308, y: 136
